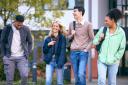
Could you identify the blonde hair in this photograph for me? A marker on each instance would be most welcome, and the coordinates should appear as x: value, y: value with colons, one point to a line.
x: 62, y: 29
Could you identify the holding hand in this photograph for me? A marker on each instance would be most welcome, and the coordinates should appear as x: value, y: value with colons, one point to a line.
x: 51, y: 43
x: 101, y: 37
x: 93, y: 53
x: 73, y: 32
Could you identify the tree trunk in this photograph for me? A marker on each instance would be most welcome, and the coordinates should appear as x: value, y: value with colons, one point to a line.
x: 5, y: 22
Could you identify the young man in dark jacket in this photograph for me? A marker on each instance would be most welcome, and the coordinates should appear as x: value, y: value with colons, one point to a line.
x: 16, y: 44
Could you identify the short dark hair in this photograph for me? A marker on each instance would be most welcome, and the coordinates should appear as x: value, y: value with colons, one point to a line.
x: 19, y: 18
x: 80, y: 9
x: 115, y: 14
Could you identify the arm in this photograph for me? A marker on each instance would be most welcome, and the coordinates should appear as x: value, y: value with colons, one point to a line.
x: 91, y: 36
x: 69, y: 34
x: 97, y: 37
x: 62, y: 57
x: 29, y: 41
x: 46, y: 47
x: 121, y: 49
x: 3, y: 34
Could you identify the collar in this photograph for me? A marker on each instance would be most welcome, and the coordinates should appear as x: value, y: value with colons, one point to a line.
x: 117, y: 31
x: 82, y: 22
x: 13, y: 27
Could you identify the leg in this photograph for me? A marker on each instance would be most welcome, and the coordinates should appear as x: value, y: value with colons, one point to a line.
x: 59, y: 73
x: 112, y: 72
x: 83, y: 59
x: 22, y: 65
x: 49, y: 73
x: 102, y: 69
x: 9, y: 69
x: 74, y: 61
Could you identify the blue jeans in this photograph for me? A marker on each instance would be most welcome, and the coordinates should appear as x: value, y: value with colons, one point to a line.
x: 102, y: 71
x: 49, y: 72
x: 79, y: 62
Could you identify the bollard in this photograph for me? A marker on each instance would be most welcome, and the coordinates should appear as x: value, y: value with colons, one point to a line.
x: 34, y: 67
x: 34, y: 73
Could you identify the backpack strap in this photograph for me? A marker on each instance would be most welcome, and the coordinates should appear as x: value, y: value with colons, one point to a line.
x: 104, y: 31
x: 99, y: 46
x: 74, y: 25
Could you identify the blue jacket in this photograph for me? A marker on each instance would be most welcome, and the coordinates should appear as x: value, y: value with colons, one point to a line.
x: 60, y: 53
x: 6, y: 40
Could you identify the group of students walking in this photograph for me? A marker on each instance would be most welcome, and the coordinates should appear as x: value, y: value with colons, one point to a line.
x: 18, y: 45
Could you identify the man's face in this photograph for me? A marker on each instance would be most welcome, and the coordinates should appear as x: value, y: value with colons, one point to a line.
x: 76, y: 13
x: 18, y: 24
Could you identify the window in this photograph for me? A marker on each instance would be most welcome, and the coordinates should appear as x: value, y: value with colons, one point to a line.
x: 79, y: 3
x: 63, y: 4
x: 123, y: 5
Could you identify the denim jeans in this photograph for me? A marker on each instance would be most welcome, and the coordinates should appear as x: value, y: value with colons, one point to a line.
x: 49, y: 73
x: 102, y: 71
x: 79, y: 62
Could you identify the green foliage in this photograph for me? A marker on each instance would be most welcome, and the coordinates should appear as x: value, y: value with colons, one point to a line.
x: 9, y: 8
x: 38, y: 35
x: 2, y: 75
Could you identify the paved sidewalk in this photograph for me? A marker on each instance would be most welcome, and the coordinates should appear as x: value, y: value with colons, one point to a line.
x: 120, y: 81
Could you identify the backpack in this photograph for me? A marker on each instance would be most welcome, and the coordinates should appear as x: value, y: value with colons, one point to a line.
x: 126, y: 34
x: 99, y: 45
x: 69, y: 41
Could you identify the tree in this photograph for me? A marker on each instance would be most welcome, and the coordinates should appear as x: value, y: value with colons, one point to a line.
x: 9, y: 8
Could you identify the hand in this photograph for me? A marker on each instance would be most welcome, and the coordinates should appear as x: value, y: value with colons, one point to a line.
x: 51, y: 43
x: 73, y: 32
x: 101, y: 37
x: 93, y: 53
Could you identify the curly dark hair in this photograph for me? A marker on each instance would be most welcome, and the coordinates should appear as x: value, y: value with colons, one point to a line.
x: 115, y: 14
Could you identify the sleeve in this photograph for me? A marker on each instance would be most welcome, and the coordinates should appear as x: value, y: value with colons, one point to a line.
x: 62, y: 57
x: 45, y: 45
x: 2, y: 40
x: 29, y: 41
x: 70, y: 36
x: 96, y: 38
x: 91, y: 36
x: 121, y: 49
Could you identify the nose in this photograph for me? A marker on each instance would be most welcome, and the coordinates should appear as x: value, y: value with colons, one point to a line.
x: 73, y: 14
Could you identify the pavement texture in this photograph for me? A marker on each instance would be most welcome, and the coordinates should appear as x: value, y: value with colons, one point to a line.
x: 120, y: 81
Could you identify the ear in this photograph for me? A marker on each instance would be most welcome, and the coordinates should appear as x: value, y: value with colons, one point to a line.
x: 80, y: 12
x: 113, y: 20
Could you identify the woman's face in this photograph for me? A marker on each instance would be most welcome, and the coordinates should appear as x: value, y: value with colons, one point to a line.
x: 108, y: 21
x: 55, y: 27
